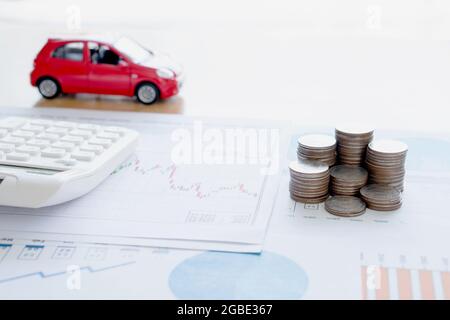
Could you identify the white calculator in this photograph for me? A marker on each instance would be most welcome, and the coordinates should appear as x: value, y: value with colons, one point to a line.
x: 45, y: 162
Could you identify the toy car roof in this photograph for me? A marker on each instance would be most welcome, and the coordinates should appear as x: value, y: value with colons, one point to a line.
x: 107, y: 39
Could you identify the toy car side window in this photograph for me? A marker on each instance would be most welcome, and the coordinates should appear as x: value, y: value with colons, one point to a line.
x: 71, y: 51
x: 107, y: 56
x: 93, y: 52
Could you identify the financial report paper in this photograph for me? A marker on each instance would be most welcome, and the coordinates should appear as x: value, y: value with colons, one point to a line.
x: 308, y: 253
x: 198, y: 202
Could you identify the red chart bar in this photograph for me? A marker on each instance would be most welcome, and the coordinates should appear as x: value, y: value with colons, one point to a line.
x: 404, y: 284
x: 426, y: 285
x: 446, y: 284
x: 363, y: 282
x: 382, y: 293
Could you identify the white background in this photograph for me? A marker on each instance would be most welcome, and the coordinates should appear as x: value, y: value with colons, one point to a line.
x: 315, y: 62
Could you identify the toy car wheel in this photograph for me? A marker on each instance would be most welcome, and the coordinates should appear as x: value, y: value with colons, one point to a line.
x: 147, y: 93
x: 48, y: 88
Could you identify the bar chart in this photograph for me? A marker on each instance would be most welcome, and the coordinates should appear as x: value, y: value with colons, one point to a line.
x: 403, y: 277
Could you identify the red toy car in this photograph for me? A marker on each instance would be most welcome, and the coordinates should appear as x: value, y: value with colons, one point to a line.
x: 122, y: 68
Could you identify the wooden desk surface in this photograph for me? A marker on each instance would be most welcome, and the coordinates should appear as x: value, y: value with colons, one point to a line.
x: 174, y: 105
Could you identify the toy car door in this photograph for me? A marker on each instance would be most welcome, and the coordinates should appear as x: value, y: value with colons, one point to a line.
x: 109, y: 73
x: 68, y: 64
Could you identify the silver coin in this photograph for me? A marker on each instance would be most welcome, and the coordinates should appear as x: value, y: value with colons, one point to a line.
x: 390, y: 207
x: 349, y: 173
x: 308, y: 166
x: 309, y: 200
x: 317, y: 141
x: 355, y: 129
x: 380, y: 192
x: 345, y: 206
x: 388, y: 146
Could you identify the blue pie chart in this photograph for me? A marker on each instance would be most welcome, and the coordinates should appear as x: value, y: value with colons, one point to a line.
x: 220, y: 275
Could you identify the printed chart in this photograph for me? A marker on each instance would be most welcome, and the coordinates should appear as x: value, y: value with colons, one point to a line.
x: 68, y: 270
x: 402, y: 277
x: 219, y: 275
x: 151, y: 198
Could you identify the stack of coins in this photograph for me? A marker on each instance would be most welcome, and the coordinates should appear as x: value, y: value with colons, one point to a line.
x: 345, y: 206
x: 381, y: 197
x: 347, y: 180
x: 309, y: 181
x: 386, y: 162
x: 352, y: 144
x: 317, y: 147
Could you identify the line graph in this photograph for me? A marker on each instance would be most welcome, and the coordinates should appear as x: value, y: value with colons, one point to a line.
x: 150, y: 182
x: 4, y: 250
x: 169, y: 171
x: 43, y: 275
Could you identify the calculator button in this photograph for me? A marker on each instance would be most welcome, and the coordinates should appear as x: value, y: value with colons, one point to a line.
x: 67, y: 162
x: 3, y: 132
x: 6, y: 147
x: 65, y: 124
x: 38, y: 143
x: 58, y: 131
x: 117, y: 130
x: 22, y: 134
x: 89, y: 127
x: 105, y: 143
x: 13, y: 140
x: 42, y: 122
x: 17, y: 156
x: 32, y: 128
x: 109, y: 135
x: 53, y: 153
x: 48, y: 136
x: 83, y: 155
x: 29, y: 149
x: 72, y: 139
x: 81, y: 133
x: 97, y: 149
x: 11, y: 123
x: 64, y: 145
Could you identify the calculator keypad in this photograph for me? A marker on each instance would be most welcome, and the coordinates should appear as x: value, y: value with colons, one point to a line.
x: 42, y: 143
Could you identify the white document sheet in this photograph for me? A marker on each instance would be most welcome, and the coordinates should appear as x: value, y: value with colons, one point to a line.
x: 150, y: 200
